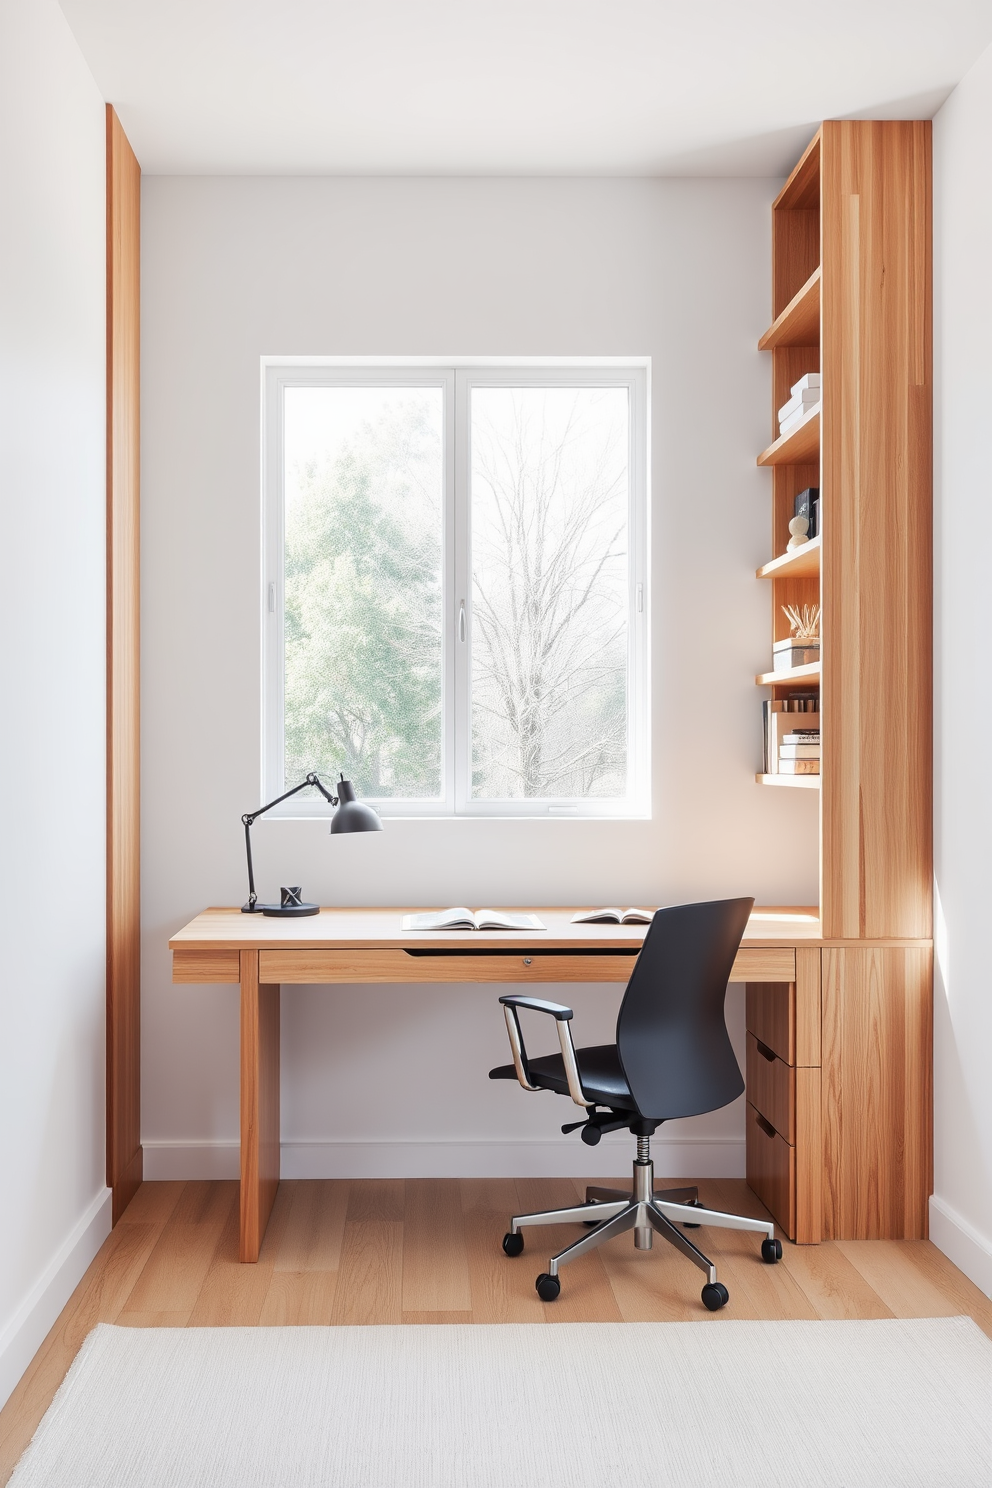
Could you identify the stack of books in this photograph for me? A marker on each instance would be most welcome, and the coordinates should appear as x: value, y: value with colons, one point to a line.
x: 788, y: 719
x: 805, y: 397
x: 799, y: 752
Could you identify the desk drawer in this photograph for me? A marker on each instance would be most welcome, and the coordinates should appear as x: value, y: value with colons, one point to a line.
x: 771, y: 1087
x: 454, y: 966
x: 771, y: 1170
x: 771, y: 1016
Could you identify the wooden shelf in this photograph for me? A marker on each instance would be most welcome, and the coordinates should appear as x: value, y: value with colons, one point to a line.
x: 808, y: 673
x: 801, y: 563
x: 799, y: 323
x: 801, y: 446
x: 805, y: 782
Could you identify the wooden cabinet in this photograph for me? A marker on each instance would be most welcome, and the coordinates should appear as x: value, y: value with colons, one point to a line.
x: 851, y: 300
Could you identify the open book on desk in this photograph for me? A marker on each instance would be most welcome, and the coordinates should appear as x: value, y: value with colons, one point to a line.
x: 612, y: 916
x: 464, y: 919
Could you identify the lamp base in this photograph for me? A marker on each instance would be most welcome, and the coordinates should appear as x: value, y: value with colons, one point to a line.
x: 288, y: 911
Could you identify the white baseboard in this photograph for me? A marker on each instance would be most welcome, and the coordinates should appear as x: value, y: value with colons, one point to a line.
x: 676, y: 1157
x: 970, y: 1251
x: 23, y: 1334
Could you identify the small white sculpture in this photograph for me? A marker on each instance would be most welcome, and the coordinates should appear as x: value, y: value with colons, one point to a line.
x: 799, y: 527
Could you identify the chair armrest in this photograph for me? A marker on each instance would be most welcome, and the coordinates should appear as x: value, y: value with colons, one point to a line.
x: 537, y: 1005
x: 561, y: 1015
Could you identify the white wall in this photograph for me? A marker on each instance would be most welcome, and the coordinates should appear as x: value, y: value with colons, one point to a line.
x: 393, y: 1079
x: 961, y: 1209
x: 52, y: 902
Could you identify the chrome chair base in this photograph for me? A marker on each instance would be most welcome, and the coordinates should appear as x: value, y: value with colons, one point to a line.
x: 644, y: 1211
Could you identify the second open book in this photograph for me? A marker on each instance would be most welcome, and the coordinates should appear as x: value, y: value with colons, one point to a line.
x: 611, y: 916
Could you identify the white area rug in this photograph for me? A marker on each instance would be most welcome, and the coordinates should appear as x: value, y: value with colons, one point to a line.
x: 722, y: 1405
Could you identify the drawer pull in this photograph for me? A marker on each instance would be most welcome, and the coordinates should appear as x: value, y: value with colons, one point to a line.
x: 764, y: 1051
x: 765, y: 1126
x: 527, y: 960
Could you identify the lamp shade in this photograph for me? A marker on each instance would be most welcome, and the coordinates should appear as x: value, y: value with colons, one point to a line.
x: 353, y: 815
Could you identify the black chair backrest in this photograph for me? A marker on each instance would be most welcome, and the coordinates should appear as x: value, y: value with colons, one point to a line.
x: 671, y: 1030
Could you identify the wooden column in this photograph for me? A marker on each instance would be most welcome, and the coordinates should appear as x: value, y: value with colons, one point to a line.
x: 124, y: 1161
x: 259, y: 1104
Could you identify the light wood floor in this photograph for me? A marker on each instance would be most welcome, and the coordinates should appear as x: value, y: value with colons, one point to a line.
x: 428, y: 1251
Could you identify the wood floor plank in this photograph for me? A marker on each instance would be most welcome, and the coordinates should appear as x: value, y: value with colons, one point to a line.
x: 153, y: 1203
x: 951, y: 1283
x: 370, y: 1276
x: 299, y: 1298
x: 435, y: 1265
x: 835, y: 1288
x: 376, y: 1198
x: 178, y: 1265
x: 310, y: 1239
x: 502, y: 1287
x: 419, y: 1318
x: 904, y: 1286
x: 232, y: 1294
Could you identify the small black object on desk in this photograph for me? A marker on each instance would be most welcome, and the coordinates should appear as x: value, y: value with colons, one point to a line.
x: 351, y: 815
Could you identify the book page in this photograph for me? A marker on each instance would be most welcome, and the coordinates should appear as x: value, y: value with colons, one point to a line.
x: 443, y: 919
x: 502, y: 919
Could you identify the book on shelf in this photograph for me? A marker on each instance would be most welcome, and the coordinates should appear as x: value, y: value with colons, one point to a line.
x: 793, y: 652
x: 611, y: 916
x: 807, y: 504
x: 798, y: 751
x: 806, y: 382
x: 464, y: 919
x: 798, y: 406
x: 786, y: 425
x: 802, y: 736
x: 798, y: 767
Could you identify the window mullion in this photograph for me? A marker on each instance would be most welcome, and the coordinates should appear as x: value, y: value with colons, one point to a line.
x: 461, y: 599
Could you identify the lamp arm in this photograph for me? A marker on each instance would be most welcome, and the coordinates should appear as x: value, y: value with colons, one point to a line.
x: 251, y: 816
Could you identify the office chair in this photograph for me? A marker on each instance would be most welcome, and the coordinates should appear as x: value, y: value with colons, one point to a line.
x: 672, y: 1058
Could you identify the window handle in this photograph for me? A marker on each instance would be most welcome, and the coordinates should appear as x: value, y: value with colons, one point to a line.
x: 461, y: 621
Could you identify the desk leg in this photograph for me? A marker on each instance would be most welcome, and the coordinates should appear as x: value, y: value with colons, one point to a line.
x: 259, y: 1104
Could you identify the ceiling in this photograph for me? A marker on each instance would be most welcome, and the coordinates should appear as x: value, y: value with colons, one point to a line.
x: 512, y: 87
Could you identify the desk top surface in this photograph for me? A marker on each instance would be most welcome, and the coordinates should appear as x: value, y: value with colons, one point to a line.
x: 370, y: 929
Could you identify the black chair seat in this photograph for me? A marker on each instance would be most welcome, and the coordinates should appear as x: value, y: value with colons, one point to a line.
x: 603, y: 1080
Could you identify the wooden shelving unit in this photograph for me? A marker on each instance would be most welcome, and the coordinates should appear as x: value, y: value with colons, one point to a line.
x: 851, y: 299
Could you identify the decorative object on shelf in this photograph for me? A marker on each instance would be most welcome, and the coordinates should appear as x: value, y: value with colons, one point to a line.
x: 807, y: 504
x: 798, y: 528
x: 351, y: 815
x: 803, y: 646
x: 805, y: 398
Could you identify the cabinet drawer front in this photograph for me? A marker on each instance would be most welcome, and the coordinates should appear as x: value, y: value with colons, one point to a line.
x: 771, y: 1170
x: 195, y: 965
x: 771, y: 1016
x: 771, y: 1087
x: 400, y: 966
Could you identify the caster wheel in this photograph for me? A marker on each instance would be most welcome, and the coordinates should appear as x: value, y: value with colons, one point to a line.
x: 771, y: 1251
x: 512, y: 1244
x: 547, y: 1287
x: 715, y: 1295
x: 693, y: 1204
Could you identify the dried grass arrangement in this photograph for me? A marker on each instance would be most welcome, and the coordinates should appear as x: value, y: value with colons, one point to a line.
x: 805, y: 622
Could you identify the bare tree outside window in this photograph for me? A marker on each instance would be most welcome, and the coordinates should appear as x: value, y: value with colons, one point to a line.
x: 550, y: 591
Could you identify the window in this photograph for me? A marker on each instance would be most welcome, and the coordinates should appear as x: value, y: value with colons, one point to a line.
x: 456, y: 586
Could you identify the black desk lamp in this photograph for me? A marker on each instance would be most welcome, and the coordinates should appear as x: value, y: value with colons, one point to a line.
x: 351, y: 816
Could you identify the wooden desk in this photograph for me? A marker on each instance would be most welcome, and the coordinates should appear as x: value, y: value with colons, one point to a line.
x: 780, y: 959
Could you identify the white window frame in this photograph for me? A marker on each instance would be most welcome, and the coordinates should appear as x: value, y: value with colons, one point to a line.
x: 457, y: 377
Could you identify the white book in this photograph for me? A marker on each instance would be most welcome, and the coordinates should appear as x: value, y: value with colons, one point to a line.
x: 801, y: 400
x: 811, y: 380
x: 798, y: 751
x: 611, y: 916
x: 464, y: 919
x: 796, y: 418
